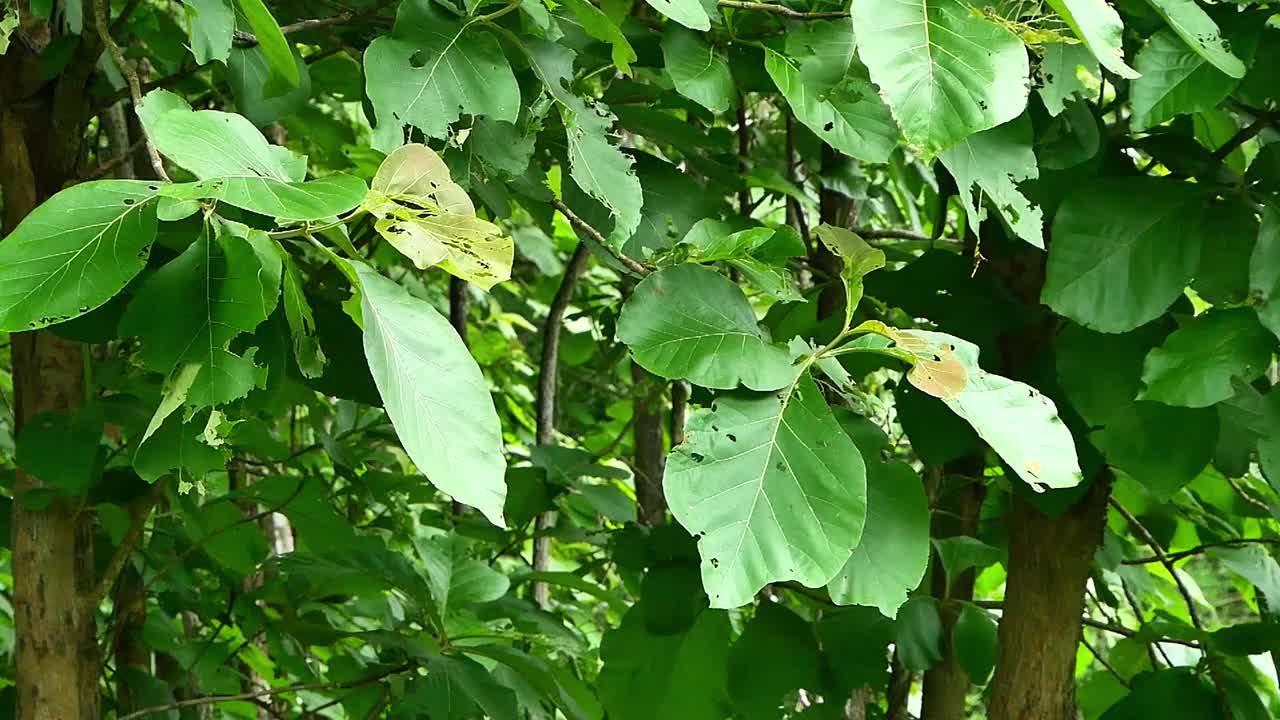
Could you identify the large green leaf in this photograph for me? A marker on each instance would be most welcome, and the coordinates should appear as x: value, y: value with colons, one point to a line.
x: 247, y: 74
x: 75, y: 252
x: 237, y: 165
x: 1160, y: 446
x: 1172, y: 694
x: 1123, y: 250
x: 210, y: 25
x: 772, y: 487
x: 224, y: 284
x: 992, y: 163
x: 651, y: 675
x: 945, y: 71
x: 1198, y: 365
x: 1099, y: 372
x: 894, y: 552
x: 1264, y: 270
x: 699, y: 72
x: 1016, y: 420
x: 457, y: 579
x: 1175, y: 80
x: 1098, y: 26
x: 690, y: 322
x: 275, y: 48
x: 829, y: 91
x: 434, y: 394
x: 974, y: 640
x: 1200, y: 32
x: 432, y: 69
x: 596, y: 165
x: 431, y: 219
x: 758, y: 683
x: 456, y: 687
x: 1059, y: 74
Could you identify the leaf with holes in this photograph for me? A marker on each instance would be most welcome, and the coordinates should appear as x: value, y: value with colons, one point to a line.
x: 75, y: 252
x: 434, y: 394
x: 771, y: 486
x: 990, y: 164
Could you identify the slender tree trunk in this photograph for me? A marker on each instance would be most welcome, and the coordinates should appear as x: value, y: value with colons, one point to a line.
x: 650, y: 447
x: 839, y: 211
x: 459, y: 308
x: 960, y: 495
x: 899, y: 691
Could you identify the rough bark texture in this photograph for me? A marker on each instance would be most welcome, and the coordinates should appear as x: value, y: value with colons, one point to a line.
x: 459, y: 307
x: 57, y: 657
x: 960, y: 497
x: 1049, y: 561
x: 650, y: 446
x: 132, y: 658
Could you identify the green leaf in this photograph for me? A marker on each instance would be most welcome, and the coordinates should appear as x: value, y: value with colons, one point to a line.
x: 1200, y: 32
x: 434, y: 394
x: 646, y: 675
x: 431, y: 219
x: 974, y: 639
x: 178, y: 446
x: 918, y: 634
x: 1247, y: 638
x: 1123, y: 250
x: 248, y: 73
x: 857, y: 260
x: 302, y: 324
x: 758, y: 682
x: 689, y: 13
x: 689, y: 322
x: 1059, y: 74
x: 894, y: 552
x: 596, y: 165
x: 1255, y: 564
x: 430, y: 70
x: 1101, y: 373
x: 1160, y: 446
x: 599, y: 26
x: 456, y: 687
x: 225, y: 284
x: 855, y: 641
x: 1172, y: 694
x: 1264, y: 270
x: 285, y: 201
x: 1175, y: 81
x: 1016, y: 420
x: 210, y: 25
x: 945, y: 71
x: 75, y: 252
x: 1098, y: 26
x: 276, y: 50
x: 1196, y: 365
x: 990, y: 165
x: 847, y: 114
x: 699, y: 72
x: 773, y: 488
x: 564, y: 690
x: 456, y: 579
x: 960, y: 552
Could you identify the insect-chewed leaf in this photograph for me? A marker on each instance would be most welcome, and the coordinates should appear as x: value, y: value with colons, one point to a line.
x: 430, y: 219
x: 937, y: 370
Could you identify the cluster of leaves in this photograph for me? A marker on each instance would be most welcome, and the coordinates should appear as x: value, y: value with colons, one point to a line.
x: 283, y: 339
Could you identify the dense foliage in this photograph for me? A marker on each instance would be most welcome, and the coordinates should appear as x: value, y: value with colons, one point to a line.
x: 669, y: 359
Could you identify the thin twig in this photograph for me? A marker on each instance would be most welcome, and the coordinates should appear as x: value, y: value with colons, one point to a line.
x: 599, y: 237
x: 1245, y: 134
x: 891, y: 234
x: 127, y: 545
x: 115, y: 162
x: 1248, y: 497
x: 1199, y: 549
x: 782, y: 10
x: 1099, y: 625
x: 131, y: 78
x: 269, y: 692
x: 1102, y: 660
x: 1192, y: 612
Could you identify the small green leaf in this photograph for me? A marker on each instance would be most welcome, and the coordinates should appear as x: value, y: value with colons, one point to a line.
x: 284, y: 70
x: 1059, y: 74
x: 302, y: 324
x: 1172, y: 694
x: 689, y: 13
x: 773, y: 488
x: 601, y: 27
x: 75, y: 252
x: 974, y: 639
x: 430, y: 70
x: 248, y: 73
x: 456, y: 687
x: 1200, y: 32
x: 699, y: 72
x: 1264, y: 270
x: 918, y: 634
x: 1198, y: 364
x: 210, y: 25
x: 1175, y: 80
x: 894, y: 552
x: 434, y: 393
x: 945, y: 71
x: 1160, y: 446
x: 1098, y: 26
x: 690, y: 322
x: 858, y: 258
x: 1123, y: 250
x: 989, y: 165
x: 457, y: 579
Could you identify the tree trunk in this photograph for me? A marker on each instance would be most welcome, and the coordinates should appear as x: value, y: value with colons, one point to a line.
x: 650, y: 446
x: 1049, y: 562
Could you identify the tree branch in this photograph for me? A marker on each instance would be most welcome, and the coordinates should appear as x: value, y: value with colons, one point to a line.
x: 269, y: 692
x: 1199, y: 549
x: 631, y: 264
x: 131, y: 79
x: 782, y: 10
x: 127, y: 545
